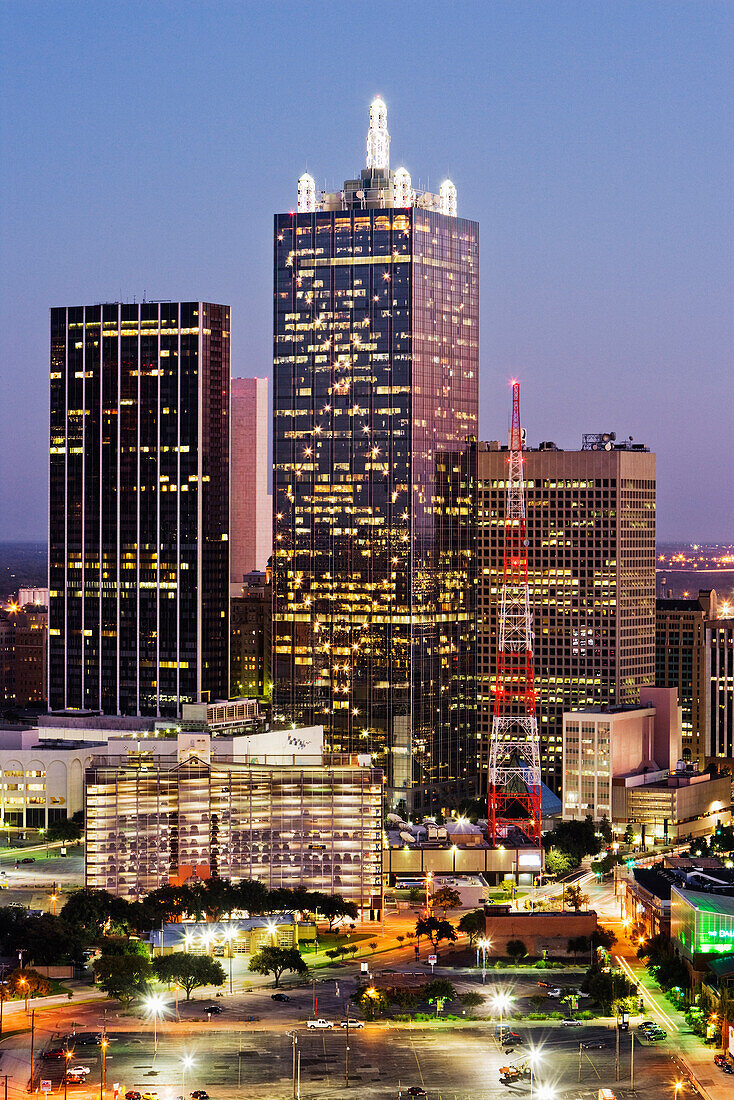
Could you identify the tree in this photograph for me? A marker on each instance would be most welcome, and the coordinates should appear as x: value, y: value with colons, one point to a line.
x: 629, y: 836
x: 575, y: 898
x: 189, y: 971
x: 576, y: 838
x: 122, y: 976
x: 471, y: 999
x: 415, y: 895
x: 606, y: 830
x: 446, y: 898
x: 252, y: 896
x: 558, y: 862
x: 578, y: 945
x: 334, y: 907
x: 65, y: 830
x: 372, y: 946
x: 91, y: 910
x: 373, y: 1002
x: 473, y: 924
x: 28, y: 983
x: 603, y: 937
x: 276, y: 960
x: 439, y: 989
x: 435, y: 930
x: 516, y: 950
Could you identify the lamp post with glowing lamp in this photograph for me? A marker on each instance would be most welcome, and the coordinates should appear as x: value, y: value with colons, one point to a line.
x: 53, y: 905
x: 429, y: 880
x: 68, y: 1054
x: 273, y: 930
x: 186, y: 1063
x: 228, y: 935
x: 501, y: 1002
x: 533, y: 1057
x: 102, y: 1082
x: 484, y: 944
x: 154, y: 1005
x: 24, y: 983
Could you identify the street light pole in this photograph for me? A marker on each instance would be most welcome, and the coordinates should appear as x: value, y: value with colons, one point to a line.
x: 103, y: 1075
x: 346, y: 1067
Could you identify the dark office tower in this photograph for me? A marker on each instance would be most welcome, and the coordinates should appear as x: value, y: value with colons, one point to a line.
x: 375, y: 396
x: 591, y: 571
x: 139, y: 507
x: 680, y: 662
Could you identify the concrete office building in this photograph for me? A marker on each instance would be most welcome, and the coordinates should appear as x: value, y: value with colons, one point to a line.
x: 251, y: 617
x: 376, y: 353
x: 139, y: 507
x: 591, y: 561
x: 23, y: 657
x: 680, y: 662
x: 251, y: 505
x: 719, y: 691
x: 601, y: 743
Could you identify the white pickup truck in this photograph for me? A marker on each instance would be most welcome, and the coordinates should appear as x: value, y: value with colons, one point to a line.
x: 321, y: 1025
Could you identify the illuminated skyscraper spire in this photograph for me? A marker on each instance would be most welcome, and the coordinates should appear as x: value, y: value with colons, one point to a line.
x: 378, y: 139
x: 306, y: 194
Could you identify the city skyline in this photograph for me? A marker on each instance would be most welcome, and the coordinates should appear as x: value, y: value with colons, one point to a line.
x: 588, y: 145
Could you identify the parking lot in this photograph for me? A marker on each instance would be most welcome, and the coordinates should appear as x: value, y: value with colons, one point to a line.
x: 256, y: 1060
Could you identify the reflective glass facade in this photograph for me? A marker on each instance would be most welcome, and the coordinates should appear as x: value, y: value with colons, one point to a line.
x: 139, y: 507
x: 375, y: 395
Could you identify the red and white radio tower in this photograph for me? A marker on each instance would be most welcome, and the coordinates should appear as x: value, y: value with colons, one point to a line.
x: 514, y: 753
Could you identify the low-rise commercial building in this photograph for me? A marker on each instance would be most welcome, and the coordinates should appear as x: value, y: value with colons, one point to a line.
x: 223, y: 939
x: 671, y: 806
x: 545, y: 933
x: 702, y: 924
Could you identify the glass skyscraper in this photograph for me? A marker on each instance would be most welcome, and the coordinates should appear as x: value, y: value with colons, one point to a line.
x: 376, y: 345
x: 139, y: 507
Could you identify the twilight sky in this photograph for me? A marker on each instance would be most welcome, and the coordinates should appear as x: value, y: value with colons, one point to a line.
x: 145, y: 146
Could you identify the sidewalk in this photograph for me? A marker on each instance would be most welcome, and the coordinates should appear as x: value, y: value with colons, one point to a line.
x: 691, y: 1056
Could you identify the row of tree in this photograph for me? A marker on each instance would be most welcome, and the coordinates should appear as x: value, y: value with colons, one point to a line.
x: 95, y: 911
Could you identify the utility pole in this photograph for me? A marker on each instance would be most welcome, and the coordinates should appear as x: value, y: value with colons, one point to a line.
x: 294, y: 1038
x: 5, y: 1076
x: 102, y: 1081
x: 33, y: 1037
x: 346, y: 1064
x: 579, y: 1063
x: 616, y: 1058
x: 632, y: 1062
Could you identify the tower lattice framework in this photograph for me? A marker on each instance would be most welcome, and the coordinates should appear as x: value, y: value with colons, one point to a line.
x: 514, y: 753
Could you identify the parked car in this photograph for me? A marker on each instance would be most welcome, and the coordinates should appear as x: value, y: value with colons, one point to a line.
x: 353, y: 1025
x: 720, y: 1060
x: 216, y: 1010
x: 280, y: 997
x: 570, y: 1023
x: 728, y: 1067
x: 416, y: 1090
x: 320, y: 1024
x: 28, y: 859
x: 54, y: 1052
x: 555, y: 992
x: 74, y: 1079
x: 594, y: 1044
x: 133, y: 1094
x: 200, y: 1094
x: 150, y: 1096
x: 81, y: 1071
